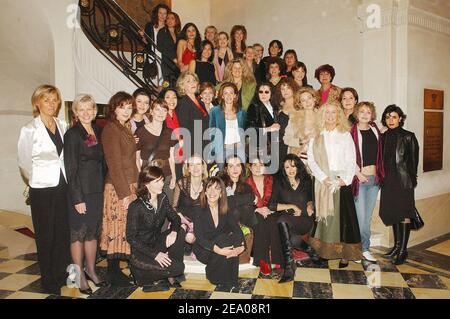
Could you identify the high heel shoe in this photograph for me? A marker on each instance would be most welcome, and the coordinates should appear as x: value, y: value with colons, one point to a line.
x: 99, y: 284
x: 87, y: 291
x: 342, y: 264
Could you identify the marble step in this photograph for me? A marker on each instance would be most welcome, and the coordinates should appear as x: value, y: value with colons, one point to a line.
x: 195, y: 267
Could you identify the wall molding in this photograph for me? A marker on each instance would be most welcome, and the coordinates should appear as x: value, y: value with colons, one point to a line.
x: 406, y: 16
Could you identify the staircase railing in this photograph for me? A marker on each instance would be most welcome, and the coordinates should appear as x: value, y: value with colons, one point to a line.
x: 116, y: 35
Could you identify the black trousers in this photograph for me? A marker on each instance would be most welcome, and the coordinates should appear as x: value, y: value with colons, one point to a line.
x: 51, y: 227
x: 219, y: 269
x: 267, y: 244
x: 147, y: 270
x: 245, y: 214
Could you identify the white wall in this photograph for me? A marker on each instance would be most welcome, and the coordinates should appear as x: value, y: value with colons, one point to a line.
x: 428, y: 67
x: 321, y: 31
x: 195, y: 11
x: 27, y: 59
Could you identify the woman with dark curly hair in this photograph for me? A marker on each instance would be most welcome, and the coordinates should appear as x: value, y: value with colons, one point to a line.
x: 400, y: 158
x: 292, y: 200
x: 275, y: 52
x: 238, y: 36
x: 188, y: 44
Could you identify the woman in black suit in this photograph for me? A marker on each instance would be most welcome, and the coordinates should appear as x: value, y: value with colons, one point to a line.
x: 84, y: 164
x: 400, y: 157
x: 167, y: 45
x: 263, y: 116
x: 219, y: 239
x: 156, y: 257
x: 191, y: 113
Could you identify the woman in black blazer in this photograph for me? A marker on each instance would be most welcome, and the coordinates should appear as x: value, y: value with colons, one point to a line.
x: 167, y: 45
x: 219, y: 239
x: 191, y: 113
x: 262, y: 115
x: 85, y: 171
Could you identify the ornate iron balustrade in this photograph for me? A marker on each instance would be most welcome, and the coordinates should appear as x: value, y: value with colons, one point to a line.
x: 116, y: 35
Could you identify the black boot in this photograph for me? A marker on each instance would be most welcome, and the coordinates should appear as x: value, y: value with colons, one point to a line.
x: 400, y: 258
x: 115, y: 276
x: 290, y: 266
x: 394, y: 251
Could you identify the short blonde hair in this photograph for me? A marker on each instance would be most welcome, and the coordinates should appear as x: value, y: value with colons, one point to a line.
x: 83, y: 98
x: 342, y: 124
x: 314, y: 94
x: 369, y: 105
x: 186, y: 172
x: 182, y: 79
x: 39, y: 93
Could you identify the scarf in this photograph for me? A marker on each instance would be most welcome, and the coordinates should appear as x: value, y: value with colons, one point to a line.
x: 323, y: 193
x: 379, y: 174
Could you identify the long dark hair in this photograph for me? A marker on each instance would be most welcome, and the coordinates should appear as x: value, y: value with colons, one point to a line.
x: 227, y: 179
x: 183, y: 36
x: 147, y: 175
x: 301, y: 65
x: 302, y: 174
x: 202, y: 47
x: 233, y: 41
x: 154, y: 13
x: 223, y: 201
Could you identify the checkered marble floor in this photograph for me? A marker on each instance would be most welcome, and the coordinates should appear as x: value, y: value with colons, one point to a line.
x: 20, y: 279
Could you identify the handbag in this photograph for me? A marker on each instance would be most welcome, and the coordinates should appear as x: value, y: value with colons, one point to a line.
x: 417, y: 221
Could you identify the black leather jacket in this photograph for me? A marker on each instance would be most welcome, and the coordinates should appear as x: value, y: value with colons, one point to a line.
x: 406, y: 157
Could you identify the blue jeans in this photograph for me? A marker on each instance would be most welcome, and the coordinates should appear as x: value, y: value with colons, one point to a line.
x: 364, y: 204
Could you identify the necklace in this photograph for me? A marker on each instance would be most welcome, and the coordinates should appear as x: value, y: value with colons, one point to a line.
x: 294, y: 184
x: 197, y: 191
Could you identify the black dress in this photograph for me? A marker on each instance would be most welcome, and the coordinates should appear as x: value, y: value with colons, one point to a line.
x: 143, y: 233
x: 183, y: 202
x: 85, y: 169
x: 168, y: 49
x: 205, y: 72
x: 219, y: 269
x: 283, y: 120
x: 283, y: 193
x: 396, y: 202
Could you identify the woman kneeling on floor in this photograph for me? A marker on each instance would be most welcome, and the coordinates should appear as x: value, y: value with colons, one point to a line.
x: 156, y: 260
x: 219, y: 239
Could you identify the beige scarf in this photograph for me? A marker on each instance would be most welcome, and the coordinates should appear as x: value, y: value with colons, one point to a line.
x: 324, y: 194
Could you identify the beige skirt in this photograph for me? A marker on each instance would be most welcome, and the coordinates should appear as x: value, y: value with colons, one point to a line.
x: 113, y: 241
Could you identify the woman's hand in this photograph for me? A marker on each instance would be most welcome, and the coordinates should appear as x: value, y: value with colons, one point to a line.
x: 141, y: 33
x: 362, y: 178
x: 225, y: 251
x: 81, y: 208
x: 163, y: 260
x: 237, y: 251
x: 327, y: 181
x: 341, y: 182
x: 173, y: 182
x: 273, y: 128
x: 125, y: 203
x: 297, y: 211
x: 310, y: 208
x: 170, y: 239
x: 263, y: 211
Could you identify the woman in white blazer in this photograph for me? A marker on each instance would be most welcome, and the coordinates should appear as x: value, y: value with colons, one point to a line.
x: 41, y: 161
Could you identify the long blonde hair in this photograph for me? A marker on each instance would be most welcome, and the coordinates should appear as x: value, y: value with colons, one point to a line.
x: 247, y: 74
x: 342, y: 124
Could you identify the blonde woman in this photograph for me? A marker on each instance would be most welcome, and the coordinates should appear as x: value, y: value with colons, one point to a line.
x: 191, y: 113
x: 302, y: 122
x: 84, y: 161
x: 41, y: 161
x: 187, y: 193
x: 332, y: 160
x: 223, y: 54
x: 238, y: 72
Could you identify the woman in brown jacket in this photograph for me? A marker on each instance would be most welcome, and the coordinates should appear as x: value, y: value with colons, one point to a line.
x: 120, y: 185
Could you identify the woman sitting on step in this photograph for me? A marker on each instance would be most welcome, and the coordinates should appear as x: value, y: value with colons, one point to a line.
x: 219, y: 238
x: 156, y: 260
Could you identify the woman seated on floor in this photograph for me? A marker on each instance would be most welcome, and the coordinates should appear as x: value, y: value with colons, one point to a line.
x: 156, y: 260
x: 219, y: 238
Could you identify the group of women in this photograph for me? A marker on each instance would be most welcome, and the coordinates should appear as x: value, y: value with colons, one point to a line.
x: 138, y: 191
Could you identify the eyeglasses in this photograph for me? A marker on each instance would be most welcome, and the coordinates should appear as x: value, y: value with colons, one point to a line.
x: 265, y: 92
